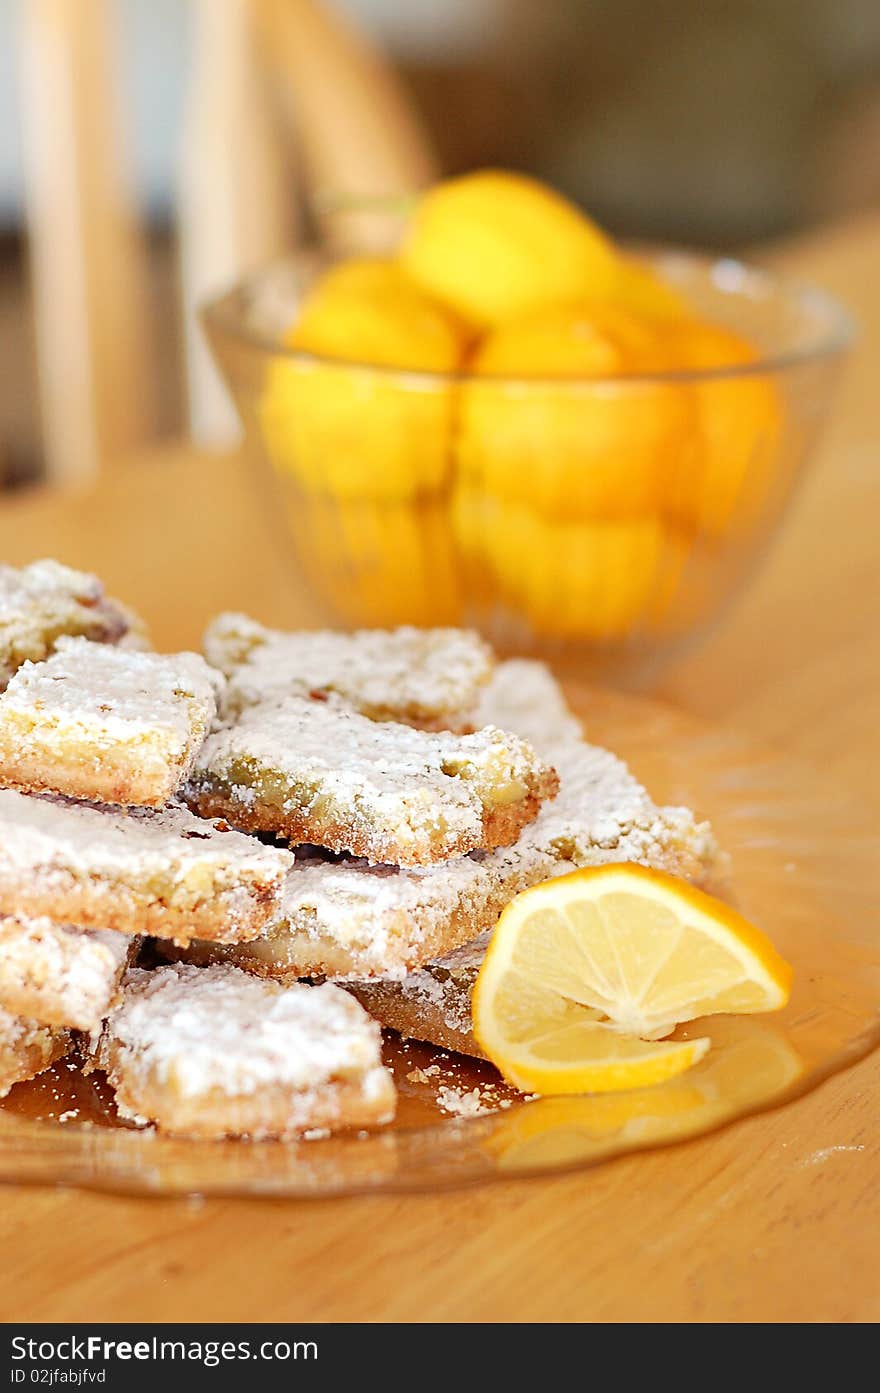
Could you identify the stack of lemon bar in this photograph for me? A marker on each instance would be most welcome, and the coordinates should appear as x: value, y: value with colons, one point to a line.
x: 312, y: 834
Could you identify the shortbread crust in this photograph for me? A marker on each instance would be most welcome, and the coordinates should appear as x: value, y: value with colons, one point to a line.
x: 26, y: 1049
x: 106, y: 724
x: 41, y: 602
x: 54, y: 974
x: 214, y: 1052
x: 318, y: 773
x: 421, y: 677
x: 164, y: 873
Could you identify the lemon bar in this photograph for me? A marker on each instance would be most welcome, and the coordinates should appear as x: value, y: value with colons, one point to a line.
x: 348, y: 920
x: 106, y: 724
x: 213, y: 1053
x: 421, y: 677
x: 321, y: 774
x: 42, y: 602
x: 162, y: 873
x: 524, y: 696
x: 54, y: 974
x: 26, y: 1049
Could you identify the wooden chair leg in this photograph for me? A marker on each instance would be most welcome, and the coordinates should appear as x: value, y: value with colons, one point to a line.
x: 236, y: 202
x: 355, y: 125
x: 88, y: 271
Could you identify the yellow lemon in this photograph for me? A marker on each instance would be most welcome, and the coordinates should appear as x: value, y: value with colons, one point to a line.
x: 643, y: 291
x: 367, y: 311
x: 469, y: 518
x: 581, y: 338
x: 596, y: 580
x: 355, y: 433
x: 355, y: 275
x: 378, y: 564
x: 375, y: 431
x: 535, y: 428
x: 495, y: 245
x: 587, y: 974
x: 739, y: 423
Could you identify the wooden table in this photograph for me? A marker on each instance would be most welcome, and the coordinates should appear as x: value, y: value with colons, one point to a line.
x: 775, y: 1218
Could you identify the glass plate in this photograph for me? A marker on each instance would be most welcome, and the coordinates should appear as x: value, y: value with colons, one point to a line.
x: 804, y: 868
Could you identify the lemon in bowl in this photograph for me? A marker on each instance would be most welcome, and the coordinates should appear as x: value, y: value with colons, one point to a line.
x: 511, y: 422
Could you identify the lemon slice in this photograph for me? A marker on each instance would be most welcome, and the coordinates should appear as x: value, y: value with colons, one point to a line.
x: 586, y: 974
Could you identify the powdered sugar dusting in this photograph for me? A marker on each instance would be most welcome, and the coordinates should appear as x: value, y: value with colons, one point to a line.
x: 422, y: 676
x: 116, y: 689
x: 162, y: 855
x: 59, y: 975
x: 217, y: 1029
x: 106, y: 722
x: 36, y: 832
x: 42, y: 601
x: 524, y: 696
x: 15, y: 1031
x: 423, y: 793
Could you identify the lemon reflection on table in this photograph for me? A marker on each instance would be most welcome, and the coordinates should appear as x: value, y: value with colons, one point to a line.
x: 750, y: 1063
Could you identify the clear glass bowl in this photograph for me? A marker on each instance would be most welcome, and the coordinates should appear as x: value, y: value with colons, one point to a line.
x: 610, y: 516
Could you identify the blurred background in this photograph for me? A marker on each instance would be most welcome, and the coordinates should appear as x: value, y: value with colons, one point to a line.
x: 715, y: 123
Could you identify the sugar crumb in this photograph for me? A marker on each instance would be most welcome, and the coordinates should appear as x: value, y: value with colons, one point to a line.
x: 461, y: 1102
x: 423, y: 1075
